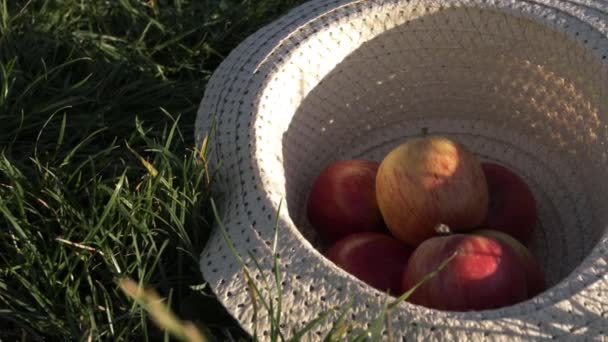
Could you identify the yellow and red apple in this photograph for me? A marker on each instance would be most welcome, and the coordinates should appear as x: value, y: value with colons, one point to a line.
x: 430, y: 181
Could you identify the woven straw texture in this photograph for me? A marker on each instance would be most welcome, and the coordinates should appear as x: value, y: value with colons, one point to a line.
x: 519, y: 82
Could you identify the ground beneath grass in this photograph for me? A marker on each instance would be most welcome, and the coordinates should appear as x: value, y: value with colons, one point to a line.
x: 99, y: 178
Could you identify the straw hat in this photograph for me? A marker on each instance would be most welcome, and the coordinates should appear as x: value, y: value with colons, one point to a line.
x: 519, y: 82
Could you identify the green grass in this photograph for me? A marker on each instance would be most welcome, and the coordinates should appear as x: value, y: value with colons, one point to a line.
x: 99, y: 178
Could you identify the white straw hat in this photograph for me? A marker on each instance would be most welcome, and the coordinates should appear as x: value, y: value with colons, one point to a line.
x: 522, y: 83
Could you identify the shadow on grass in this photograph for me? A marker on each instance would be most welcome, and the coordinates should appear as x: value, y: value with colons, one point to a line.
x: 90, y: 93
x: 51, y: 77
x: 74, y: 120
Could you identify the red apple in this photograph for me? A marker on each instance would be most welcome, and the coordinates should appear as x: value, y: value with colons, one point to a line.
x: 343, y: 200
x: 430, y: 181
x: 377, y: 259
x: 512, y: 206
x: 484, y: 274
x: 534, y: 273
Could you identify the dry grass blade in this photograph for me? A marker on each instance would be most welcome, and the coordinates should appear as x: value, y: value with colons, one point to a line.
x: 79, y: 245
x: 160, y: 313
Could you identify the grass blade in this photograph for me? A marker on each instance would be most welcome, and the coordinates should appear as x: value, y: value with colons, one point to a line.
x: 149, y: 299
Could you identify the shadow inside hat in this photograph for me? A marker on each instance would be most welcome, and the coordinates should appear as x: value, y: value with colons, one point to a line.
x: 474, y: 75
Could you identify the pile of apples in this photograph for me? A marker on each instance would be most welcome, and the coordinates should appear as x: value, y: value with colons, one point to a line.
x: 428, y: 202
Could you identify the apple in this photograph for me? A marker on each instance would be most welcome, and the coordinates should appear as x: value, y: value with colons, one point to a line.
x: 512, y: 207
x: 534, y: 273
x: 484, y: 274
x: 343, y: 200
x: 430, y: 181
x: 375, y: 258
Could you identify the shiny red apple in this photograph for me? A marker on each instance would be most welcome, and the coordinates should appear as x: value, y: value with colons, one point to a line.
x: 484, y: 274
x: 377, y: 259
x: 343, y: 200
x: 534, y: 272
x: 430, y: 181
x: 512, y: 206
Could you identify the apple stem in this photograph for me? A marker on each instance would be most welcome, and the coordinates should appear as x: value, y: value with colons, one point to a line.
x: 443, y: 229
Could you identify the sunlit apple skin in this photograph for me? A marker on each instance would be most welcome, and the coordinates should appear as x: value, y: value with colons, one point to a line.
x: 534, y: 273
x: 429, y: 181
x: 512, y: 207
x: 375, y: 258
x: 343, y: 200
x: 485, y: 274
